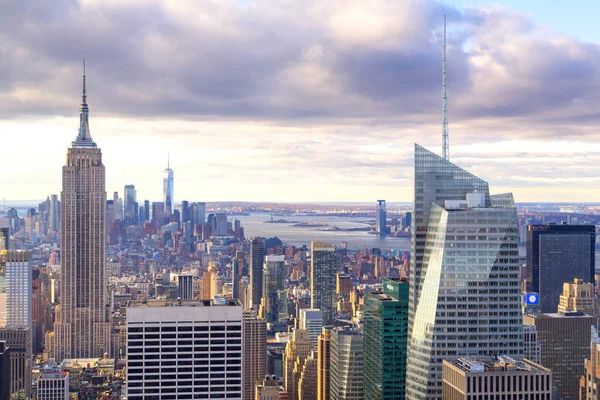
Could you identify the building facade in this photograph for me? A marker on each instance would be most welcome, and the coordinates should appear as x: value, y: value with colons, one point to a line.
x: 386, y: 336
x: 323, y: 270
x: 53, y: 383
x: 19, y: 285
x: 82, y: 329
x: 130, y: 206
x: 495, y: 378
x: 578, y: 296
x: 324, y: 365
x: 465, y: 274
x: 557, y: 254
x: 254, y: 347
x: 168, y: 191
x: 347, y: 364
x: 257, y: 258
x: 381, y: 218
x: 565, y: 344
x: 589, y: 382
x: 311, y: 320
x: 273, y: 278
x: 176, y: 349
x: 186, y: 286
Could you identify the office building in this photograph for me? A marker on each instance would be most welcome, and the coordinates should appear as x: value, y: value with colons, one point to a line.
x: 257, y: 258
x: 347, y: 364
x: 386, y: 335
x: 178, y: 348
x: 578, y: 296
x: 323, y: 270
x: 186, y: 287
x: 495, y: 378
x: 532, y: 348
x: 324, y: 364
x: 198, y: 213
x: 557, y: 254
x: 168, y: 193
x: 270, y: 389
x: 312, y: 320
x: 4, y: 370
x: 53, y: 383
x: 158, y: 214
x: 129, y: 211
x: 589, y: 382
x: 219, y: 227
x: 342, y: 291
x: 297, y: 350
x: 254, y: 346
x: 18, y: 342
x: 565, y: 343
x: 146, y: 211
x: 273, y: 278
x: 477, y: 291
x: 4, y: 234
x: 19, y: 287
x: 307, y: 384
x: 54, y: 217
x: 237, y: 266
x: 82, y: 329
x: 381, y: 218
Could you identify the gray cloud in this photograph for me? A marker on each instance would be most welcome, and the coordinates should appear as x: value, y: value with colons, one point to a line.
x: 276, y: 60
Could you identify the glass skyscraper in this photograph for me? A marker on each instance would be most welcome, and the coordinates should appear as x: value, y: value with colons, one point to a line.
x: 386, y: 335
x: 322, y: 279
x: 464, y: 277
x: 273, y: 277
x: 130, y: 196
x: 168, y: 198
x: 557, y: 254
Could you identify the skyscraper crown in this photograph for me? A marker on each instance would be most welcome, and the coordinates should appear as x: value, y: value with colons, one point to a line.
x: 84, y: 139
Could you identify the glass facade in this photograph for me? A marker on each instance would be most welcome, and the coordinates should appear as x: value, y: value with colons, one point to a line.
x: 168, y: 198
x: 465, y: 279
x: 347, y: 365
x: 386, y: 335
x: 273, y: 273
x: 322, y: 280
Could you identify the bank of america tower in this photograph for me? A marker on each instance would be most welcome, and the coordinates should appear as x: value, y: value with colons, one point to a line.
x: 464, y: 276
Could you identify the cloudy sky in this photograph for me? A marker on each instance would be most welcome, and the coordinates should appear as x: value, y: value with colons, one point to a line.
x: 313, y: 100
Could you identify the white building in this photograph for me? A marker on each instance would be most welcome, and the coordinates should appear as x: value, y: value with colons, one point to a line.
x: 53, y: 383
x: 18, y: 289
x: 311, y: 319
x: 184, y: 349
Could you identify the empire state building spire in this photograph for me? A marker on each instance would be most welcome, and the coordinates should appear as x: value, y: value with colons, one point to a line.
x: 84, y: 139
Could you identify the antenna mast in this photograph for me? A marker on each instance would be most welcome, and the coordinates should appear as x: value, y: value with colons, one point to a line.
x: 445, y: 144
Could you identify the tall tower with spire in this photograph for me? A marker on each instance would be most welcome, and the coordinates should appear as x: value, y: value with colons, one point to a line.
x: 168, y: 181
x: 82, y: 329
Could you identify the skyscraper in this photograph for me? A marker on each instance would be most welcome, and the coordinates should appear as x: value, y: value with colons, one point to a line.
x: 82, y: 329
x: 557, y: 254
x: 168, y: 198
x: 146, y: 210
x: 324, y: 365
x: 54, y: 218
x: 18, y: 289
x: 167, y: 340
x: 273, y: 273
x: 257, y: 257
x: 323, y: 280
x: 381, y: 218
x: 4, y: 371
x: 129, y: 213
x: 464, y: 267
x: 347, y: 364
x: 186, y: 286
x: 386, y: 325
x: 578, y: 296
x: 254, y: 346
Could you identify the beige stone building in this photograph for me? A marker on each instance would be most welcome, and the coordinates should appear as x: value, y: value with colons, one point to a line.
x: 578, y: 296
x: 495, y: 378
x: 82, y: 329
x: 297, y: 350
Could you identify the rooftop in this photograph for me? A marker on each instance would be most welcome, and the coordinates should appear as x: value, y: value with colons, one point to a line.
x: 184, y: 303
x: 500, y: 363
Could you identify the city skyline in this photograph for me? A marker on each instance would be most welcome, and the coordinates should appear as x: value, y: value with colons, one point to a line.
x: 361, y: 98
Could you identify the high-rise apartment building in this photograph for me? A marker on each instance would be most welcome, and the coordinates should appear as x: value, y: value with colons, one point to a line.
x: 53, y: 383
x: 4, y: 371
x: 82, y: 329
x: 589, y: 382
x: 186, y: 287
x: 324, y: 365
x: 495, y: 378
x: 168, y: 192
x: 130, y: 212
x: 297, y: 350
x: 18, y: 289
x: 386, y: 335
x: 578, y: 296
x: 312, y: 320
x: 176, y: 349
x: 465, y: 273
x: 565, y: 344
x: 270, y: 389
x: 347, y: 364
x: 254, y: 347
x: 381, y: 218
x: 557, y: 254
x: 323, y: 270
x: 257, y: 258
x: 273, y: 278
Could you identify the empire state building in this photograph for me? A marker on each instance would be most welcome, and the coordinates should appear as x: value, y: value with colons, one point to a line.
x: 82, y: 328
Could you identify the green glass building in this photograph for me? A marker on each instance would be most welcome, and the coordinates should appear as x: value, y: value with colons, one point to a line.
x: 386, y: 337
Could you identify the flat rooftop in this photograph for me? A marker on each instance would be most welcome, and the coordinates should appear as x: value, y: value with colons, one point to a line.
x: 185, y: 303
x: 498, y: 364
